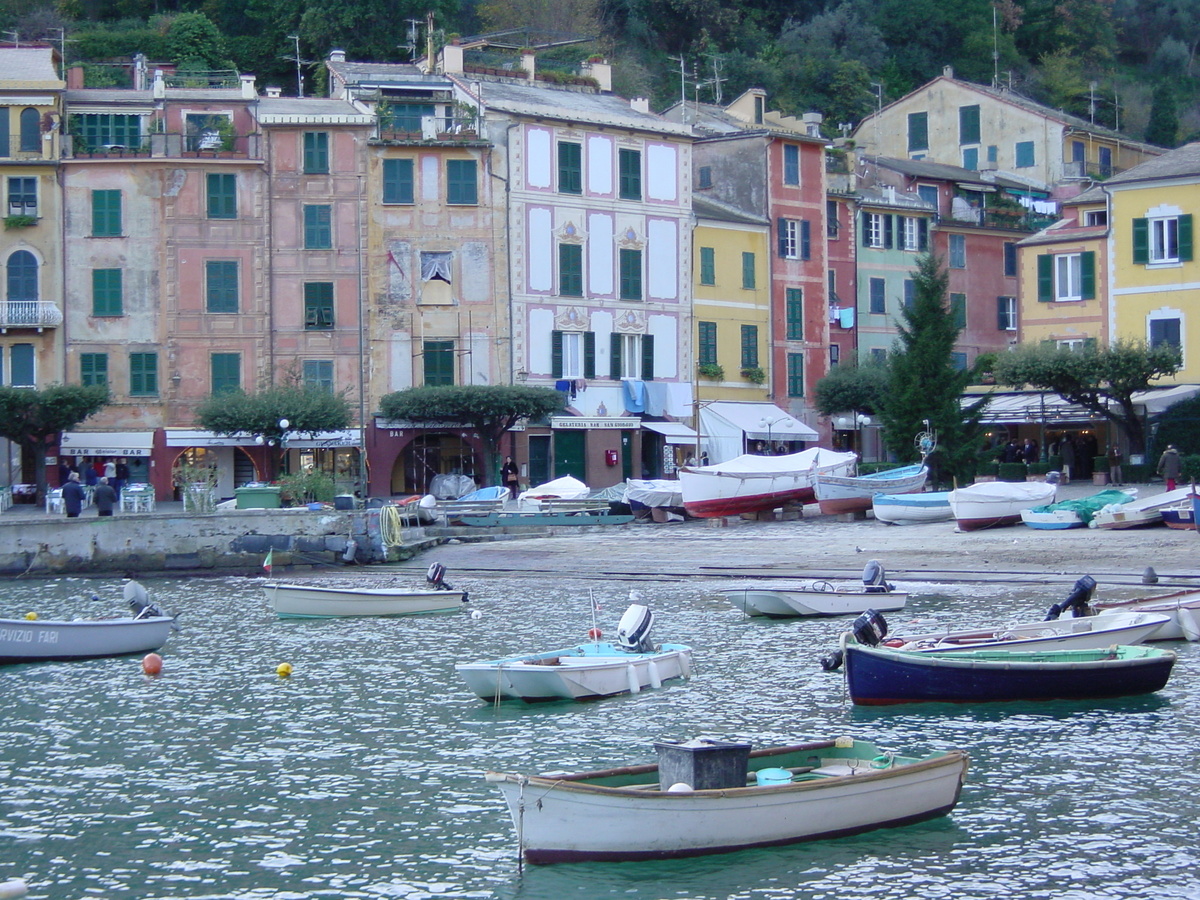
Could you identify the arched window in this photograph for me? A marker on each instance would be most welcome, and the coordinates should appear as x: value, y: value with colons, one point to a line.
x: 31, y: 135
x: 22, y: 276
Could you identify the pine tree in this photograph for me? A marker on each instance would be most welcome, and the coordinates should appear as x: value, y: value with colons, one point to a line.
x: 925, y: 387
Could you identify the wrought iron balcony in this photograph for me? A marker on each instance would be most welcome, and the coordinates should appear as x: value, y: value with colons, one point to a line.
x: 37, y: 314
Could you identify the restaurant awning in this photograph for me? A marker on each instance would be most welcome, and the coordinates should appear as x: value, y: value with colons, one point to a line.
x: 298, y: 440
x: 673, y: 432
x: 760, y: 421
x: 1032, y: 407
x: 106, y: 443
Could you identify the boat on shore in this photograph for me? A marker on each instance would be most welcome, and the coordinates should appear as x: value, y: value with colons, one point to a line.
x: 819, y: 598
x: 586, y: 671
x: 1182, y: 609
x: 706, y: 797
x: 324, y: 601
x: 751, y: 483
x: 1076, y: 513
x: 1181, y: 517
x: 912, y: 509
x: 1142, y: 512
x: 992, y: 504
x: 837, y: 494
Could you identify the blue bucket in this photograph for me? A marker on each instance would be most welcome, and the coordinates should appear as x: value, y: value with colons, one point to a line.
x: 769, y: 777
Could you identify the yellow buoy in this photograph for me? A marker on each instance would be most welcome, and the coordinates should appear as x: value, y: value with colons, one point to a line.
x: 31, y: 616
x: 283, y: 670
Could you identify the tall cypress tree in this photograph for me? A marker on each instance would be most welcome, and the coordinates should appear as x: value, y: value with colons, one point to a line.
x: 924, y: 387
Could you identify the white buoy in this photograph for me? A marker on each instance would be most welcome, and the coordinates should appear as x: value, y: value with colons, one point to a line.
x: 14, y: 888
x: 634, y: 685
x: 655, y: 681
x: 680, y: 788
x: 476, y: 614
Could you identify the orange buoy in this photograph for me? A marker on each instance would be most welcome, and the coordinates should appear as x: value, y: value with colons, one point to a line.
x: 152, y: 664
x: 595, y: 634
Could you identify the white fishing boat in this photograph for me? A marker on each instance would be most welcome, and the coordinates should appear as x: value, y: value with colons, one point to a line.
x: 585, y: 671
x: 323, y: 601
x: 708, y: 797
x: 1181, y: 517
x: 1082, y: 633
x: 1182, y: 608
x: 751, y: 483
x: 853, y: 493
x: 818, y: 598
x: 912, y: 509
x: 991, y: 504
x: 1143, y: 511
x: 1076, y: 513
x: 46, y: 640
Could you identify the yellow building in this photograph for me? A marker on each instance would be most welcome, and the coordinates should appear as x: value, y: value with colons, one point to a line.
x: 1155, y: 286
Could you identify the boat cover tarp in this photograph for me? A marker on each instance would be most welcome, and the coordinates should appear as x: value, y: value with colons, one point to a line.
x: 1087, y: 507
x: 1005, y: 491
x: 654, y: 492
x: 792, y: 463
x: 565, y: 488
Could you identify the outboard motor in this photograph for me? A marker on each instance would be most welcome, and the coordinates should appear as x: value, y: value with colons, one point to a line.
x: 436, y: 577
x: 1077, y: 600
x: 870, y: 628
x: 633, y: 631
x: 875, y: 578
x: 143, y: 608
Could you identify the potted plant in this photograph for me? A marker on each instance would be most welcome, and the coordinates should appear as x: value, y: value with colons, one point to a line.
x: 754, y: 374
x: 20, y: 221
x: 714, y: 371
x: 1099, y: 470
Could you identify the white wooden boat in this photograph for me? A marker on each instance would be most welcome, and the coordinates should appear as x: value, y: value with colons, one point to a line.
x: 991, y: 504
x: 912, y: 509
x: 753, y: 798
x: 585, y: 671
x: 1182, y: 517
x: 1182, y: 608
x: 1076, y: 513
x: 853, y: 493
x: 818, y: 598
x: 1143, y: 511
x: 1083, y: 632
x: 317, y: 601
x: 751, y: 483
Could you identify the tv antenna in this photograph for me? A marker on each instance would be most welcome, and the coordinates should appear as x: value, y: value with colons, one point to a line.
x: 299, y: 62
x: 414, y: 31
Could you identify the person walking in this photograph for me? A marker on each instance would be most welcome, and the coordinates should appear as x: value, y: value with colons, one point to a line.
x: 105, y: 498
x: 1170, y: 465
x: 510, y: 476
x: 1114, y: 465
x: 73, y: 494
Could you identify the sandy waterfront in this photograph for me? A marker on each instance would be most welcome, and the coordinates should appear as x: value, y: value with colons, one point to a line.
x: 820, y: 546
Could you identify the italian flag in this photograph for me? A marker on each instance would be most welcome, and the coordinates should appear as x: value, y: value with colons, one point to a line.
x: 267, y: 561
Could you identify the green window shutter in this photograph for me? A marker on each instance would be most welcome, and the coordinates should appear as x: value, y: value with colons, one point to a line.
x: 318, y: 373
x: 968, y: 124
x: 570, y: 168
x: 647, y: 357
x: 614, y: 356
x: 589, y: 354
x: 1141, y: 241
x: 106, y: 213
x: 222, y: 195
x: 782, y: 227
x: 795, y: 374
x: 1090, y: 344
x: 749, y: 346
x: 226, y: 371
x: 316, y: 152
x: 791, y: 164
x: 805, y: 239
x: 1087, y: 275
x: 93, y: 368
x: 865, y: 229
x: 958, y: 310
x: 318, y: 227
x: 439, y: 362
x: 631, y: 274
x: 1045, y: 278
x: 888, y: 232
x: 922, y: 234
x: 461, y: 187
x: 221, y: 286
x: 748, y: 271
x: 1002, y: 313
x: 318, y: 305
x: 795, y: 314
x: 708, y: 343
x: 629, y: 163
x: 143, y: 374
x: 918, y: 131
x: 1185, y: 238
x: 106, y: 292
x: 397, y: 181
x: 570, y: 270
x: 556, y: 354
x: 708, y: 265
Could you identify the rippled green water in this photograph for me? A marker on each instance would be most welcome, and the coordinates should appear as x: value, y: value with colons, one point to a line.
x: 359, y: 776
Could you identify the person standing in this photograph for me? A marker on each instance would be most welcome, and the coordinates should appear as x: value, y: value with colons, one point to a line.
x: 122, y: 476
x: 105, y: 498
x: 73, y: 494
x: 1114, y: 465
x: 1066, y: 450
x: 1170, y: 465
x: 510, y: 476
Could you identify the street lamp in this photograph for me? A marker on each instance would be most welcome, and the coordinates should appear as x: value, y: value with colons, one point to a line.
x: 764, y: 423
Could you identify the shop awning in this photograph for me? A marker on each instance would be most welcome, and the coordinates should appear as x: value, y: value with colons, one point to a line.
x: 1031, y: 407
x: 351, y: 437
x: 106, y: 443
x: 182, y: 437
x: 761, y: 421
x: 673, y: 432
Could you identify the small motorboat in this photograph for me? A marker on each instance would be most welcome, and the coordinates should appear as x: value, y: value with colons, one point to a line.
x: 1141, y: 512
x: 585, y: 671
x: 991, y: 504
x: 819, y: 598
x: 1182, y: 608
x: 323, y: 601
x: 1182, y: 517
x: 1076, y: 513
x: 45, y: 640
x: 912, y: 509
x: 708, y: 797
x: 837, y: 494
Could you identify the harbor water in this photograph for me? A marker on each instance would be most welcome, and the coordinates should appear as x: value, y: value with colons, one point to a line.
x: 361, y: 774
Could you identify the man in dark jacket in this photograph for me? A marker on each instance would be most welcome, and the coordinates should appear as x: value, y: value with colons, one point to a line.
x: 73, y: 494
x: 105, y: 498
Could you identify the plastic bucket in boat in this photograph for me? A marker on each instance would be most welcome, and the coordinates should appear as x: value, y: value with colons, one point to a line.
x: 767, y: 777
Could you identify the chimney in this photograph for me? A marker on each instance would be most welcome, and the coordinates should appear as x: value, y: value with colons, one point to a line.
x: 74, y: 78
x: 601, y: 70
x: 948, y: 71
x: 159, y: 88
x: 452, y: 59
x: 812, y: 123
x: 529, y: 64
x: 274, y: 91
x: 337, y: 56
x: 640, y: 104
x: 248, y: 90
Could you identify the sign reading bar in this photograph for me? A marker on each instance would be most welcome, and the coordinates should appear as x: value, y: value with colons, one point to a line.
x: 594, y: 422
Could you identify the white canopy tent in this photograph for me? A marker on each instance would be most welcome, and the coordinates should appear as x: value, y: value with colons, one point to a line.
x: 727, y: 425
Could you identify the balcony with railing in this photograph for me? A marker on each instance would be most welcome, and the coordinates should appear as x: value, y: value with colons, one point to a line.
x: 1092, y: 171
x: 37, y: 314
x: 169, y: 145
x: 445, y: 129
